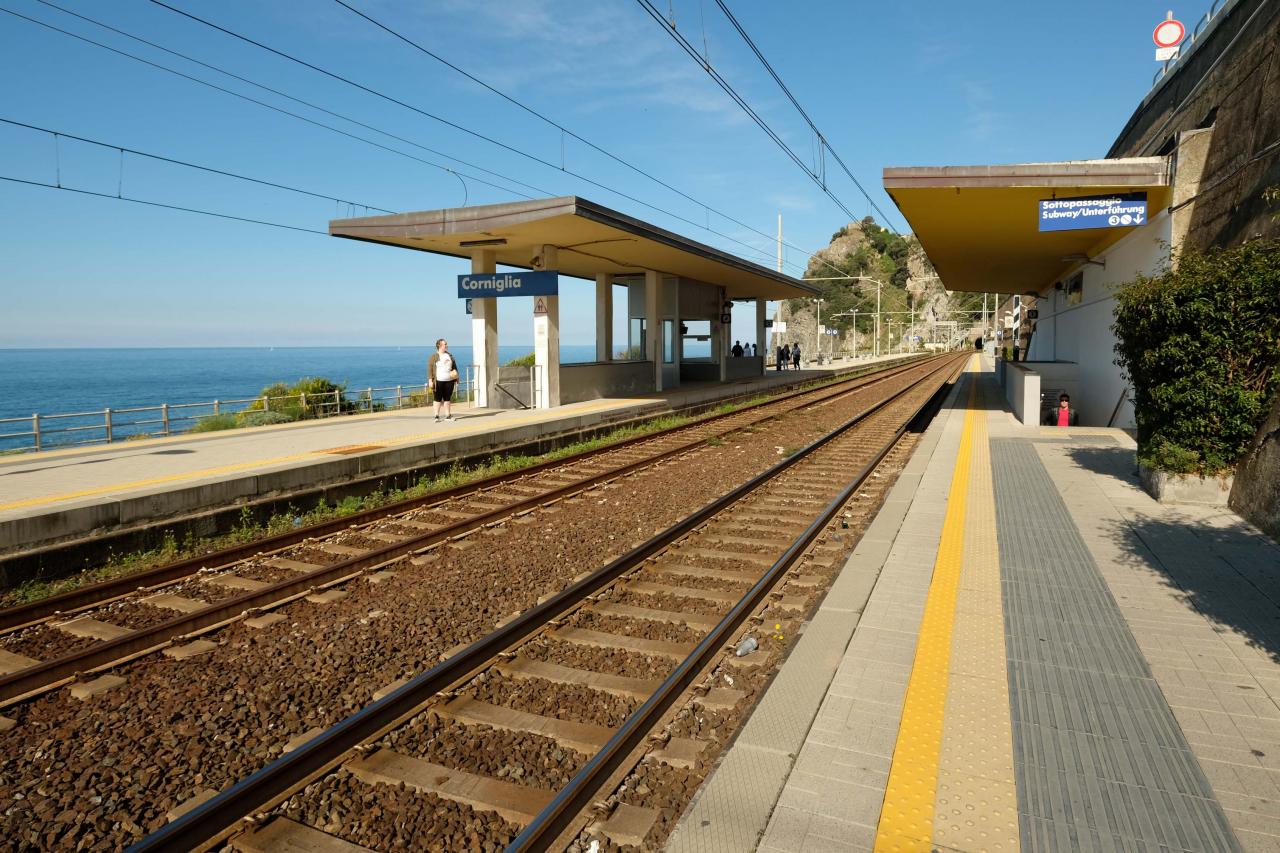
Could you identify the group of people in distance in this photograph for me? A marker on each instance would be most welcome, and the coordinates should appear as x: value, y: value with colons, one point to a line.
x: 788, y: 356
x: 739, y: 350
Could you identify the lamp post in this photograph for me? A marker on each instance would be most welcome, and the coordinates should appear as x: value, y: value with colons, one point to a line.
x: 878, y: 283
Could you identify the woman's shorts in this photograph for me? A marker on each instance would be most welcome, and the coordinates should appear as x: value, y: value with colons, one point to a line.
x: 443, y: 392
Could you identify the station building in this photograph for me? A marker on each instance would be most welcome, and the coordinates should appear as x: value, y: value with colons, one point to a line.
x: 1200, y: 149
x: 678, y: 291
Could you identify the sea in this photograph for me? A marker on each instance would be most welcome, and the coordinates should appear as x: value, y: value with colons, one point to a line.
x: 59, y: 381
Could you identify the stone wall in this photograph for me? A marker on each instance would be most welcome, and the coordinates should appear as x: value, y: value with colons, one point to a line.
x: 1220, y: 110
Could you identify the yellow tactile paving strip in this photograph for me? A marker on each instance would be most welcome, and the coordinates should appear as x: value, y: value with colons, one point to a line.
x: 951, y: 783
x: 977, y: 799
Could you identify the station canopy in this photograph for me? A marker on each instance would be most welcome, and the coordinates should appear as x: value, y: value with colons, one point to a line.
x: 980, y: 224
x: 591, y: 240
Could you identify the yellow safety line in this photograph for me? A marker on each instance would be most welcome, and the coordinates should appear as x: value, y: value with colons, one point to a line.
x: 262, y: 463
x: 907, y: 816
x: 977, y: 801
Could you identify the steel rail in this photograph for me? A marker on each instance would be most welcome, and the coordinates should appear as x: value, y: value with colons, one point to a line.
x: 577, y: 794
x: 218, y: 817
x: 31, y: 680
x: 26, y: 614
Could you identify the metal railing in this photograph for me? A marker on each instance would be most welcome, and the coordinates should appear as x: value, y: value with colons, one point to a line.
x: 104, y: 426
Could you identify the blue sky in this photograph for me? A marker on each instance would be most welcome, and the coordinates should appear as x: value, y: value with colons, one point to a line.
x: 921, y: 83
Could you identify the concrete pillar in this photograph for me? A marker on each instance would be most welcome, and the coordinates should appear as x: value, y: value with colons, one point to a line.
x: 653, y: 323
x: 762, y: 340
x: 721, y: 344
x: 546, y: 340
x: 484, y: 332
x: 604, y: 317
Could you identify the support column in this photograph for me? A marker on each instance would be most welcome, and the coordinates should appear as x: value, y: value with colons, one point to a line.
x: 721, y: 345
x: 484, y: 332
x: 604, y: 317
x: 653, y: 324
x: 546, y: 340
x: 762, y: 340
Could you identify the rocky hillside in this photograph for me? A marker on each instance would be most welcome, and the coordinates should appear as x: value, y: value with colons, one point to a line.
x: 907, y: 282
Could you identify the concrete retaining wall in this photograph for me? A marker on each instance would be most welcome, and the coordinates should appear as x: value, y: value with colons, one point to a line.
x: 741, y: 368
x: 598, y: 379
x: 1022, y: 391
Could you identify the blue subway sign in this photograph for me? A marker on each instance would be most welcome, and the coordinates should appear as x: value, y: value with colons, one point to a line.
x: 539, y: 283
x: 1122, y: 210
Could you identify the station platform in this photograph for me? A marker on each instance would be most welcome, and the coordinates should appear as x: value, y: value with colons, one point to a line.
x: 1025, y: 651
x: 60, y: 495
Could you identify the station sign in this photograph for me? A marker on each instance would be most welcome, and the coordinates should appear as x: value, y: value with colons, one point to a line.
x: 1121, y: 210
x: 482, y: 285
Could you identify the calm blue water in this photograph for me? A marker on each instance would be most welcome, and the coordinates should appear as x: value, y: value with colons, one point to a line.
x: 77, y: 380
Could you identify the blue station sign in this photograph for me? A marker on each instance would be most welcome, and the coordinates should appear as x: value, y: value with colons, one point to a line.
x: 1122, y: 210
x: 537, y: 283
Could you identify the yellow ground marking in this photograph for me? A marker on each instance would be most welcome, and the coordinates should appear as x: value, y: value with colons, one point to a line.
x: 445, y: 432
x: 907, y: 816
x: 977, y: 799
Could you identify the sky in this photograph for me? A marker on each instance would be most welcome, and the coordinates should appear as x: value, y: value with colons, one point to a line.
x: 888, y: 84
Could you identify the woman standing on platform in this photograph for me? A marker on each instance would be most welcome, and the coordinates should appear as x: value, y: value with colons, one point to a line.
x: 442, y: 374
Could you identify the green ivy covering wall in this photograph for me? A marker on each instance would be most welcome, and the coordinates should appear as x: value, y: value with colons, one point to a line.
x: 1200, y: 345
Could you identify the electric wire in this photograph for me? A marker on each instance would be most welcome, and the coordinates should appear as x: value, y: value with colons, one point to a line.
x: 451, y: 124
x: 163, y: 205
x: 124, y: 150
x: 273, y: 107
x: 741, y: 102
x: 558, y: 126
x: 753, y: 249
x: 822, y: 140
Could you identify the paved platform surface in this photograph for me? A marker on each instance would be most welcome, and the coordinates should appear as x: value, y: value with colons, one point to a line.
x: 1024, y: 652
x: 58, y: 493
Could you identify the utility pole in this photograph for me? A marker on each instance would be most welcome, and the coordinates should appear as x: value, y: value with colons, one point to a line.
x: 819, y: 329
x: 779, y: 241
x: 877, y: 348
x: 911, y: 303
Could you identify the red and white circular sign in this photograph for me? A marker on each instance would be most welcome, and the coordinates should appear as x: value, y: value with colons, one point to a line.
x: 1169, y: 33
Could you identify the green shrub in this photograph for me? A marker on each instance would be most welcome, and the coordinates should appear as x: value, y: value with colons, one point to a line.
x: 260, y: 418
x: 320, y: 396
x: 526, y: 360
x: 1200, y: 345
x: 215, y: 423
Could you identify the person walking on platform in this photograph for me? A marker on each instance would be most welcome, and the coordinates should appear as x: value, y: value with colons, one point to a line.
x: 754, y: 351
x: 795, y: 355
x: 442, y: 375
x: 737, y: 349
x: 785, y: 361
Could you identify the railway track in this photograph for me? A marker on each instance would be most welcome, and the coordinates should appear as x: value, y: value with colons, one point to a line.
x: 580, y: 721
x: 52, y: 643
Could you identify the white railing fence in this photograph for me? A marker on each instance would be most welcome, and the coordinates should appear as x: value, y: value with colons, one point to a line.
x: 103, y: 426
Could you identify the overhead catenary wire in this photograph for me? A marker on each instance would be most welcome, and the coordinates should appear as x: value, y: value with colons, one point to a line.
x: 59, y: 134
x: 456, y: 172
x: 163, y: 205
x: 273, y: 107
x: 565, y: 131
x: 451, y: 124
x: 742, y: 103
x: 822, y: 140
